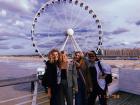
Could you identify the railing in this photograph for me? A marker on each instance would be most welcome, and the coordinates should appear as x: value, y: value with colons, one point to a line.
x: 15, y: 81
x: 33, y: 79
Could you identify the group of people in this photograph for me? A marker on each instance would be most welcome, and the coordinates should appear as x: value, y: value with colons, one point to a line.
x: 76, y: 81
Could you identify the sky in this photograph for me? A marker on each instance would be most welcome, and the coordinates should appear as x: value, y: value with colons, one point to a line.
x: 120, y: 22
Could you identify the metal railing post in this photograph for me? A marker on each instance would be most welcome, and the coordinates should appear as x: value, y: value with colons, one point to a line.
x: 34, y: 100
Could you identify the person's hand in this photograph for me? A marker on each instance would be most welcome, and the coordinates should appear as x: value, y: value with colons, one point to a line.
x: 77, y: 64
x: 102, y: 76
x: 90, y: 89
x: 75, y: 90
x: 40, y: 81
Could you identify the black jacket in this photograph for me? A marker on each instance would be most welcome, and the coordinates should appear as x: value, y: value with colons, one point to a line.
x: 50, y: 76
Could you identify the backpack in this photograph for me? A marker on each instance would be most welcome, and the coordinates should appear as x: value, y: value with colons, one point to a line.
x: 108, y: 78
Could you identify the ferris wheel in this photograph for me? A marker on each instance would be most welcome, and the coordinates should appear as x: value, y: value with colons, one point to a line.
x: 61, y: 22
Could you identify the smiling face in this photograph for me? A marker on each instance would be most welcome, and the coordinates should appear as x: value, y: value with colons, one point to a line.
x: 92, y: 56
x: 77, y: 56
x: 63, y: 56
x: 55, y: 55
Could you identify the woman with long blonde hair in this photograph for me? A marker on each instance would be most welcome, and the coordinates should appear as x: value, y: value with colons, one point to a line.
x: 52, y: 76
x: 68, y: 79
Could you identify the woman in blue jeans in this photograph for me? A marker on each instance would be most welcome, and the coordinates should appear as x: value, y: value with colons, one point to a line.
x: 80, y: 96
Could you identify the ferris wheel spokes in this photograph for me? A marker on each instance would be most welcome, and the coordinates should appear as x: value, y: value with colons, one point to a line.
x: 62, y: 15
x: 76, y: 21
x: 58, y: 17
x: 71, y: 14
x: 65, y: 12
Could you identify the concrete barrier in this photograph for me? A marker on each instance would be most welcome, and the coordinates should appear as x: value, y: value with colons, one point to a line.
x: 129, y: 80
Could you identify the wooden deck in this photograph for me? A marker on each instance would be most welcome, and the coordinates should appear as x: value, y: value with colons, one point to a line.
x: 119, y: 98
x: 124, y: 98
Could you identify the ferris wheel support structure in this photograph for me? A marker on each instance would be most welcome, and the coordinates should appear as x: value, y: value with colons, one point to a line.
x: 70, y: 36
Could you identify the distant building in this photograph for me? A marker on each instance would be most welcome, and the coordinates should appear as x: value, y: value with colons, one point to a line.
x: 122, y: 52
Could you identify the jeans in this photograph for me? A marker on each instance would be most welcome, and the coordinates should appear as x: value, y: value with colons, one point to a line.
x: 65, y: 93
x: 80, y: 96
x: 55, y: 95
x: 100, y: 93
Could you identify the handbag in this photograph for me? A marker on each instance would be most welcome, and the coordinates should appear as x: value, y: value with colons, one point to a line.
x: 108, y: 77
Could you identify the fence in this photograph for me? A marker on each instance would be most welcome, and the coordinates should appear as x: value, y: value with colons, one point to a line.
x: 33, y: 79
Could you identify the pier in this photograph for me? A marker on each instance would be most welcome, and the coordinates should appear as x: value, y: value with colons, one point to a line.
x: 123, y: 95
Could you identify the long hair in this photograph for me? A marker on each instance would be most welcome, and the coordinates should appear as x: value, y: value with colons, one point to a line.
x: 50, y: 55
x: 81, y: 60
x: 63, y: 60
x: 63, y: 56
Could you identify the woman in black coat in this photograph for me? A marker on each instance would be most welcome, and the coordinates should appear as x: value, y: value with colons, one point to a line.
x: 52, y: 77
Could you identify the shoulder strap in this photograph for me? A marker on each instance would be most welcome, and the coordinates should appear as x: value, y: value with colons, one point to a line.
x: 82, y: 76
x: 100, y: 67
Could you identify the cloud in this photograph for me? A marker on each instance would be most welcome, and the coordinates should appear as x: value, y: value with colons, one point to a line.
x: 138, y: 23
x: 106, y: 33
x: 17, y: 47
x: 120, y: 22
x: 3, y: 13
x: 4, y: 47
x: 120, y: 31
x: 19, y: 23
x: 124, y: 43
x: 44, y: 46
x: 137, y: 42
x: 2, y: 38
x: 20, y: 6
x: 84, y: 30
